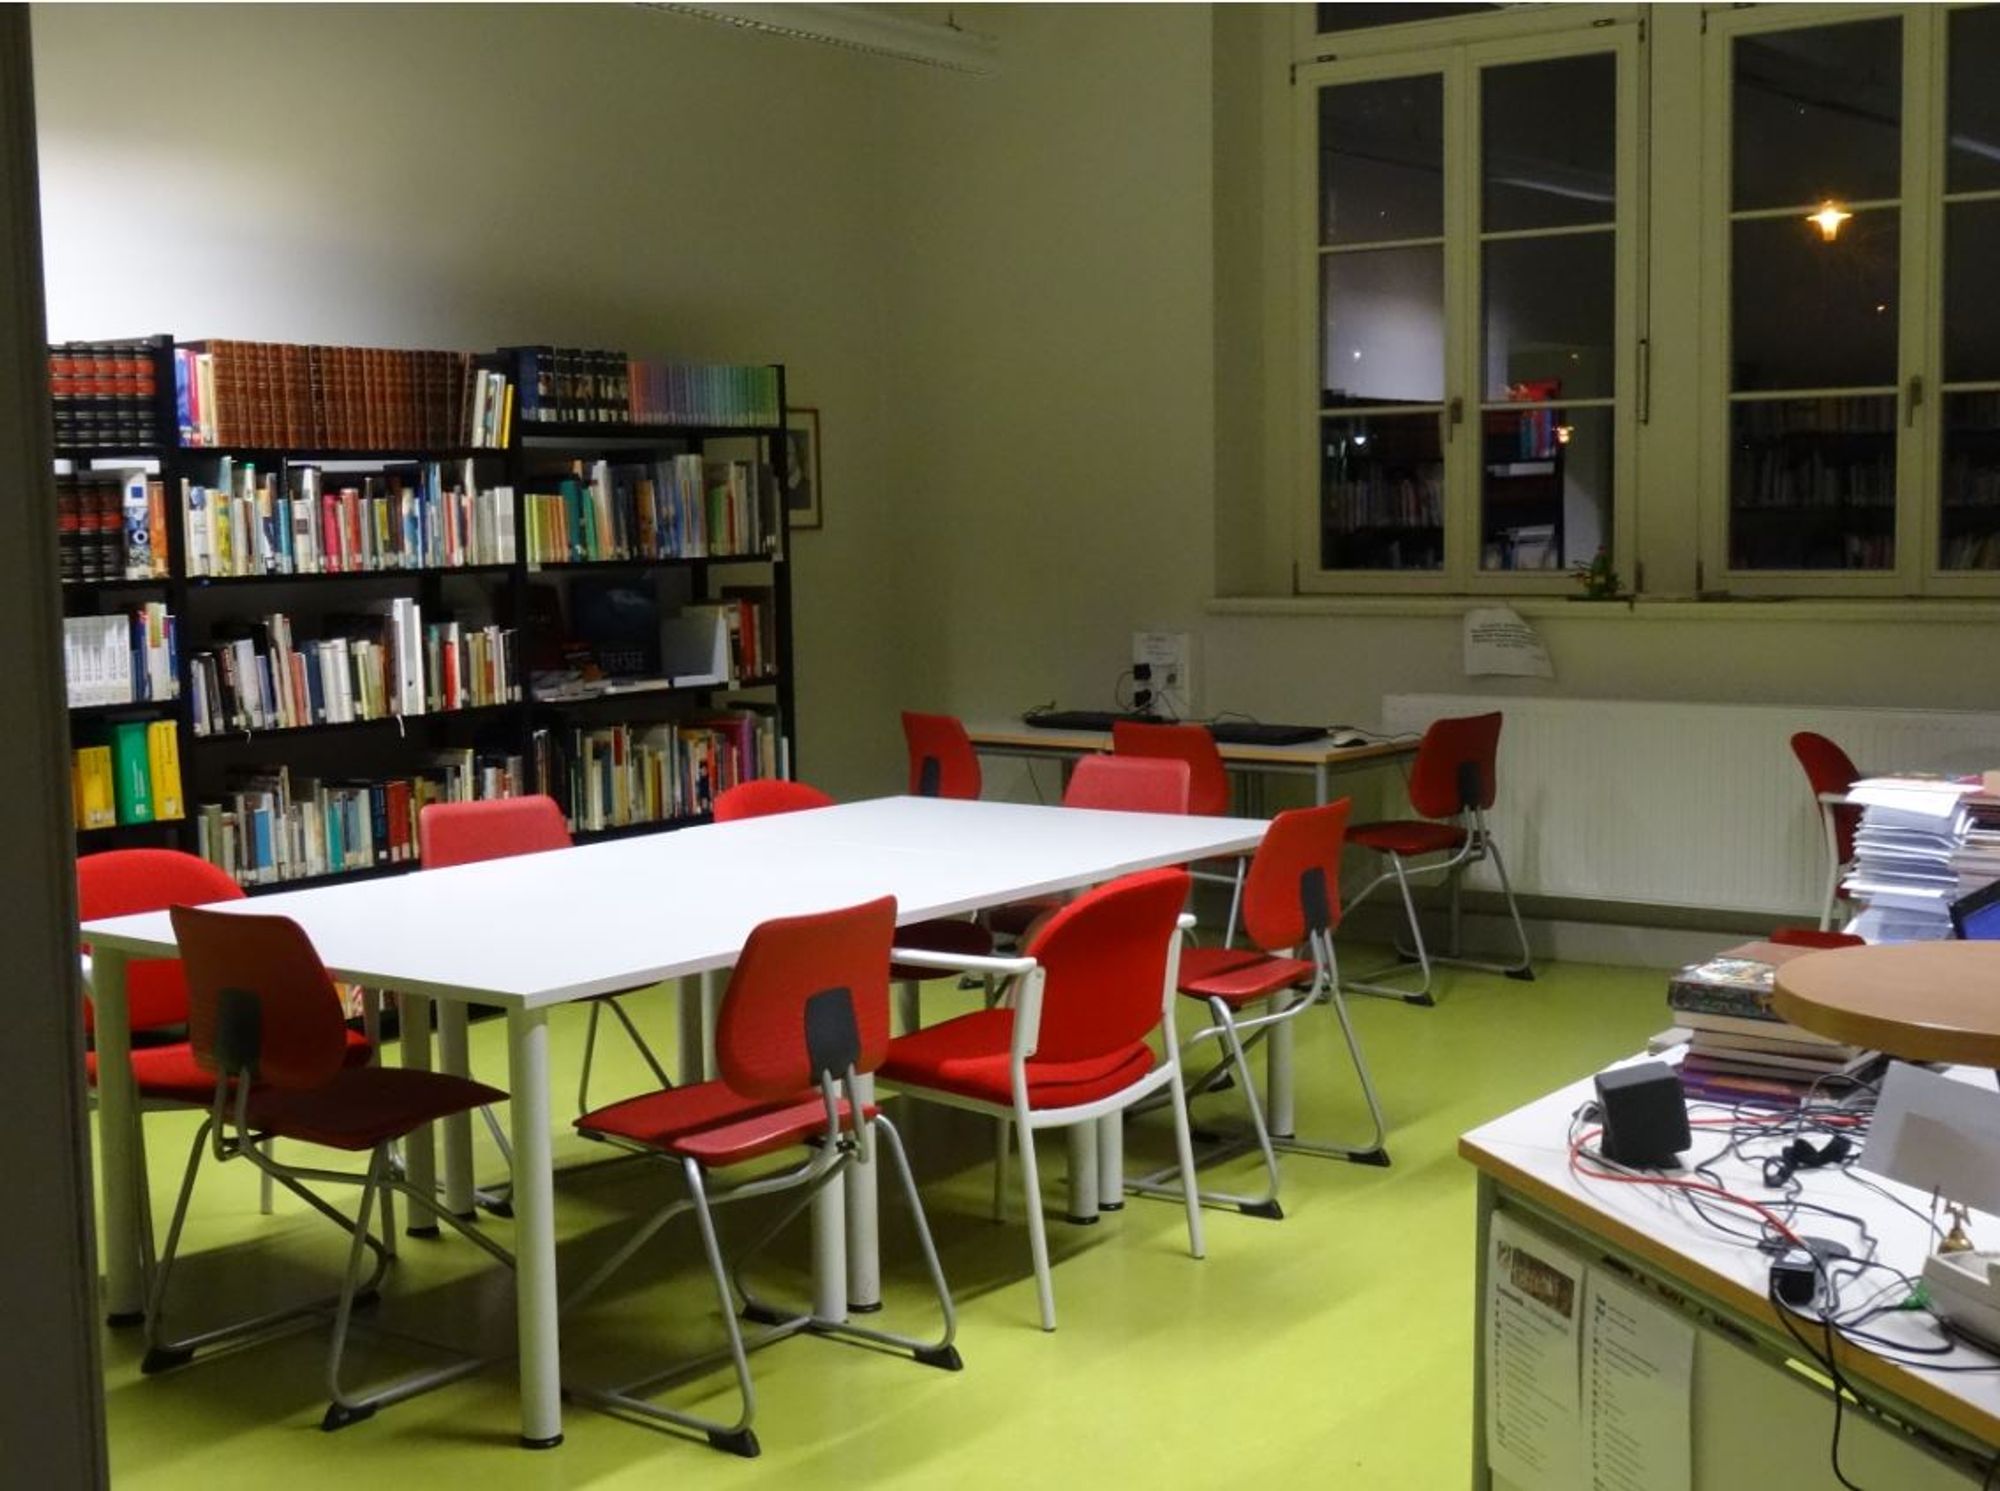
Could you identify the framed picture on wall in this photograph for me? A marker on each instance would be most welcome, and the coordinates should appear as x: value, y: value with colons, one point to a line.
x: 802, y: 490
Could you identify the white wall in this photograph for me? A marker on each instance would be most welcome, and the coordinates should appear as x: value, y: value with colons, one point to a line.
x: 473, y: 176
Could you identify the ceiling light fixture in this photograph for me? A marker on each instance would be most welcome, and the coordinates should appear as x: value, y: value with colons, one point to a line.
x: 1828, y: 219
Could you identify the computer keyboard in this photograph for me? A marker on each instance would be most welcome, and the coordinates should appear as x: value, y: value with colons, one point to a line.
x: 1082, y: 719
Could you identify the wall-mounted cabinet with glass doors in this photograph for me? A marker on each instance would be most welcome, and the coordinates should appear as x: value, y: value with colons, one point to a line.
x: 1475, y: 212
x: 1853, y: 358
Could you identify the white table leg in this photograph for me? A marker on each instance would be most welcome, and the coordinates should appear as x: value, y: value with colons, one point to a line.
x: 455, y: 1057
x: 692, y: 1065
x: 1111, y: 1162
x: 1082, y: 1139
x: 534, y: 1228
x: 1319, y: 784
x: 420, y: 1149
x: 864, y: 1257
x: 117, y: 1129
x: 829, y: 1246
x: 1278, y: 1105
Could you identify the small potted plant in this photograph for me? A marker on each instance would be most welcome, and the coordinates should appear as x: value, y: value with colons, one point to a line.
x: 1599, y: 580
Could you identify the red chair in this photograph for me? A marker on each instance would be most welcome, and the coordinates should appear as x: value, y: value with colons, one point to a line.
x: 765, y: 796
x: 458, y: 833
x: 1453, y: 781
x: 1208, y: 787
x: 1816, y: 938
x: 1831, y: 773
x: 942, y: 760
x: 1291, y: 902
x: 126, y: 882
x: 1118, y: 784
x: 804, y: 1020
x: 1094, y: 983
x: 266, y: 1024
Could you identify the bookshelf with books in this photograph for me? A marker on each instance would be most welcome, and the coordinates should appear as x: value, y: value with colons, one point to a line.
x: 314, y: 588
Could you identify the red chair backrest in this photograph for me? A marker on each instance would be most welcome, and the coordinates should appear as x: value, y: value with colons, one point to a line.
x: 1208, y: 779
x: 768, y: 795
x: 1104, y: 958
x: 1128, y: 784
x: 1830, y: 769
x: 302, y: 1028
x: 125, y: 882
x: 1455, y: 763
x: 461, y: 833
x: 761, y: 1044
x: 942, y: 760
x: 1295, y: 876
x: 1814, y: 937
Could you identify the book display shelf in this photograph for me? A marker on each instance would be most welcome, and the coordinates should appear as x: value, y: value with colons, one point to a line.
x: 307, y: 590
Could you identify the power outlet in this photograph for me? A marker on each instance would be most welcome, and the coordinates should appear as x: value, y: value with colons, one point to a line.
x: 1165, y: 661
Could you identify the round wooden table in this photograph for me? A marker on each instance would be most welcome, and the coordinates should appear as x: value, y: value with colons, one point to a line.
x: 1922, y: 1001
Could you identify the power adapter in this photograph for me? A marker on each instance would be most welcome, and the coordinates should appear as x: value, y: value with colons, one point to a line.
x: 1795, y: 1278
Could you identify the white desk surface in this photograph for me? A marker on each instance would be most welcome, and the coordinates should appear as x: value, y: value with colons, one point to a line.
x: 543, y: 929
x: 1528, y: 1151
x: 1014, y: 736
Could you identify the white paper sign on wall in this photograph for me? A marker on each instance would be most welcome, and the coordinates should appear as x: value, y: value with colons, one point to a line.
x: 1499, y: 642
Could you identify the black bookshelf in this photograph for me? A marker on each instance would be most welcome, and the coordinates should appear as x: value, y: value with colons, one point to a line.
x: 200, y: 602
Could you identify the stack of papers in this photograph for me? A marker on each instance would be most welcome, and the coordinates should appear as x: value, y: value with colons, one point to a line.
x: 1907, y: 855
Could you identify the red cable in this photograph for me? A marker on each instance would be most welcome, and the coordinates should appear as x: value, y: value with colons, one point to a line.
x: 1673, y: 1183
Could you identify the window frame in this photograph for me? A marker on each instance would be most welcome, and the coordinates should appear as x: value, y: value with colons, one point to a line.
x: 1549, y: 34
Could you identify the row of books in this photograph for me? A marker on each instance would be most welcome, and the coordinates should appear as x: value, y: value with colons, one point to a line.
x: 1907, y: 857
x: 250, y: 524
x: 615, y: 776
x: 680, y: 508
x: 1738, y: 1050
x: 1811, y: 476
x: 271, y: 395
x: 110, y: 526
x: 1378, y: 498
x: 586, y: 385
x: 128, y: 657
x: 1971, y: 551
x: 385, y: 664
x: 269, y: 829
x: 133, y: 777
x: 105, y: 395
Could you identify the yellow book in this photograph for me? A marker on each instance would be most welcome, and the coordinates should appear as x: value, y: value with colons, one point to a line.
x: 96, y: 805
x: 163, y: 752
x: 507, y: 416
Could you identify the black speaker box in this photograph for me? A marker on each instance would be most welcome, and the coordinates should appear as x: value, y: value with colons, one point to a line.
x: 1645, y: 1115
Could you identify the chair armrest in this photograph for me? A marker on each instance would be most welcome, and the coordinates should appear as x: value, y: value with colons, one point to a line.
x: 960, y: 962
x: 83, y: 961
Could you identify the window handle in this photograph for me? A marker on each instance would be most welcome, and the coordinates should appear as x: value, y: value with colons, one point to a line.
x: 1916, y: 399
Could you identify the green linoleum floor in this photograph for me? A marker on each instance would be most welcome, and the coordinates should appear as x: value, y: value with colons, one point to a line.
x: 1334, y: 1344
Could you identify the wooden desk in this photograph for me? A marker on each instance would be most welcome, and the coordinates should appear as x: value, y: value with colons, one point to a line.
x: 1922, y: 1001
x: 1319, y: 759
x: 1647, y: 1238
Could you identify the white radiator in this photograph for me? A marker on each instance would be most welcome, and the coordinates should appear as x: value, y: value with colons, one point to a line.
x: 1698, y: 805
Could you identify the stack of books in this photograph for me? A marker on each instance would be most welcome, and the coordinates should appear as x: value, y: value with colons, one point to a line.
x: 134, y: 777
x: 127, y: 658
x: 1907, y: 854
x: 1738, y: 1051
x: 594, y: 385
x: 680, y: 508
x: 110, y: 526
x: 104, y: 395
x: 615, y: 776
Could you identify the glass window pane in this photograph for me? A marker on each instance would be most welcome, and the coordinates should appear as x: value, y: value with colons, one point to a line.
x: 1970, y: 533
x: 1381, y: 160
x: 1973, y: 136
x: 1549, y: 141
x: 1971, y: 308
x: 1381, y: 492
x: 1812, y: 483
x: 1545, y: 493
x: 1819, y: 114
x: 1383, y: 310
x: 1343, y: 16
x: 1812, y: 314
x: 1548, y: 315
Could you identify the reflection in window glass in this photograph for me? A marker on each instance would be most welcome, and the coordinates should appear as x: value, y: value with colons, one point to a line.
x: 1818, y: 114
x: 1381, y: 160
x: 1545, y: 489
x: 1969, y: 536
x: 1812, y: 314
x: 1548, y: 143
x: 1971, y: 308
x: 1812, y: 483
x: 1384, y: 311
x: 1972, y: 137
x: 1549, y: 310
x: 1381, y: 493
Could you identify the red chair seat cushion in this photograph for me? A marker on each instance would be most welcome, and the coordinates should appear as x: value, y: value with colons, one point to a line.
x: 169, y: 1074
x: 959, y: 939
x: 711, y: 1124
x: 1237, y: 976
x: 1407, y: 836
x: 363, y: 1106
x: 967, y: 1056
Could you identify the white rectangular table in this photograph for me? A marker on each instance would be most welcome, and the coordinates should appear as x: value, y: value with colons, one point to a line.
x: 1523, y: 1163
x: 530, y: 933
